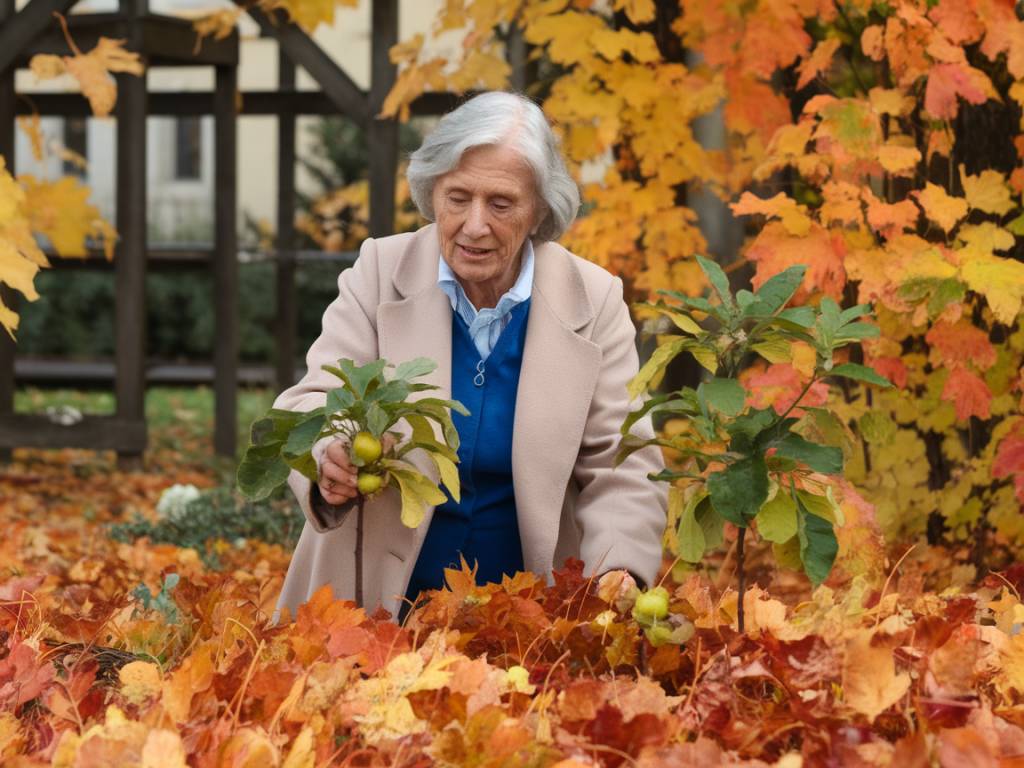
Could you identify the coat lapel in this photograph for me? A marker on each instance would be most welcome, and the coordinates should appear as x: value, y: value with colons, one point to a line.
x: 557, y: 381
x: 418, y: 325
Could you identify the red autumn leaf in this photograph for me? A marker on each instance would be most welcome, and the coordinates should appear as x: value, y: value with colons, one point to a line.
x: 948, y: 81
x: 779, y: 386
x: 956, y: 343
x: 958, y: 21
x: 1009, y: 461
x: 24, y: 674
x: 968, y: 392
x: 893, y: 368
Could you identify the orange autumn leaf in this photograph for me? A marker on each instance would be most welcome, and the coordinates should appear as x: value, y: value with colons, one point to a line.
x: 889, y: 219
x: 968, y: 392
x: 792, y: 215
x: 955, y: 343
x: 819, y: 60
x: 775, y: 250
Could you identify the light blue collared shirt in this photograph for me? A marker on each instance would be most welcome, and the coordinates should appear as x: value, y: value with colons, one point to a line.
x: 486, y: 325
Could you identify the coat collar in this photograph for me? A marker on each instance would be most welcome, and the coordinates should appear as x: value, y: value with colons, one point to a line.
x: 555, y: 277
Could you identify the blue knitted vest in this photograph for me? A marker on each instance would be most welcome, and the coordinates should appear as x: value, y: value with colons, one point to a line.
x: 483, y: 525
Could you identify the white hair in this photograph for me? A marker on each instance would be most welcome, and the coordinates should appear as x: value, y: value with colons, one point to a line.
x: 506, y: 119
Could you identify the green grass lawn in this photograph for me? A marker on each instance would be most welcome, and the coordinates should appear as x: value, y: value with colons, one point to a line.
x: 180, y: 419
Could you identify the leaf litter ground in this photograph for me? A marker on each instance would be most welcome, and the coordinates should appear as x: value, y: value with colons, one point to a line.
x: 922, y: 667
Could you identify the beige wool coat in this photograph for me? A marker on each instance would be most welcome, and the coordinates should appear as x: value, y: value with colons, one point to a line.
x: 579, y: 355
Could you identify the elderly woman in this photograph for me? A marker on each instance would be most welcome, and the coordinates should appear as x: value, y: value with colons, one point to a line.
x: 536, y: 342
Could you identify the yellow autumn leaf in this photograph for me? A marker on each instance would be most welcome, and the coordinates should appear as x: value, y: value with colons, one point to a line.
x: 20, y: 257
x: 986, y: 237
x: 301, y: 755
x: 61, y: 211
x: 942, y: 208
x: 899, y: 160
x: 92, y: 71
x: 218, y: 25
x: 999, y: 280
x: 567, y: 35
x: 890, y: 101
x: 870, y: 681
x: 613, y: 43
x: 637, y: 11
x: 792, y: 214
x: 484, y: 69
x: 46, y: 66
x: 140, y: 680
x: 309, y: 14
x: 987, y: 191
x: 32, y: 127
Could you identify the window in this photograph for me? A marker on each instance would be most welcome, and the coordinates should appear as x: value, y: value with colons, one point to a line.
x: 76, y: 139
x: 187, y: 145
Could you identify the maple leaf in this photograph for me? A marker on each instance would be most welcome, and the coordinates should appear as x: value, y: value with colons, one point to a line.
x: 309, y: 14
x: 889, y: 219
x: 793, y: 215
x: 948, y: 81
x: 92, y: 70
x: 955, y: 343
x: 775, y: 250
x: 779, y: 386
x: 612, y: 44
x: 60, y: 210
x: 819, y: 61
x: 968, y: 392
x: 987, y: 191
x: 218, y: 25
x: 999, y: 280
x: 567, y: 35
x: 899, y: 160
x: 870, y: 681
x: 942, y: 208
x: 637, y: 11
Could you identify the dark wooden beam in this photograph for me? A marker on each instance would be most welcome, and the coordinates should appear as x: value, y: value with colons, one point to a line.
x: 164, y: 40
x: 286, y: 316
x: 304, y: 51
x: 23, y: 27
x: 198, y: 103
x: 130, y: 254
x: 99, y: 373
x: 7, y: 104
x: 225, y: 263
x: 98, y: 433
x: 382, y: 135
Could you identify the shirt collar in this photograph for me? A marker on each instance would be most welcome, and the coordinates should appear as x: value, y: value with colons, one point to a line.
x: 520, y: 291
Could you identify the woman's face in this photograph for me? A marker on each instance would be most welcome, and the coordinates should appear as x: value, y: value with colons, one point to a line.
x: 485, y: 209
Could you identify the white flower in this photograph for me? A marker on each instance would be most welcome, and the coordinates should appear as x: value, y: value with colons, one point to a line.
x: 175, y: 499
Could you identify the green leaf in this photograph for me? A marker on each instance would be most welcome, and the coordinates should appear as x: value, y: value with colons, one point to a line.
x: 410, y: 369
x: 660, y: 358
x: 377, y: 420
x: 745, y: 429
x: 860, y: 373
x: 818, y: 545
x: 774, y: 349
x: 777, y: 290
x: 724, y: 395
x: 261, y: 471
x: 947, y: 292
x: 391, y: 392
x: 787, y: 554
x: 690, y: 533
x: 718, y: 279
x: 304, y: 434
x: 739, y: 491
x: 776, y: 520
x: 711, y: 523
x: 821, y: 458
x: 821, y: 506
x: 670, y: 403
x: 852, y: 313
x: 856, y: 331
x: 339, y: 400
x: 800, y: 316
x: 360, y: 377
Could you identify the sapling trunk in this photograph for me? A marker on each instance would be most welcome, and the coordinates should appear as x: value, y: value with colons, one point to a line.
x: 360, y: 500
x: 742, y: 576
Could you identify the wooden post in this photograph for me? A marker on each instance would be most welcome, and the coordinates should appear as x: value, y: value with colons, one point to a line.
x: 130, y: 257
x: 285, y: 319
x: 382, y: 135
x: 7, y: 107
x: 225, y: 262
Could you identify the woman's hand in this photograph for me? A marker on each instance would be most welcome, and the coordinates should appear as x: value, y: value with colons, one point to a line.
x: 338, y: 475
